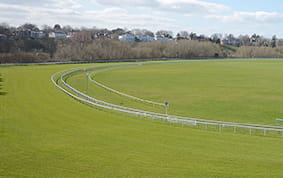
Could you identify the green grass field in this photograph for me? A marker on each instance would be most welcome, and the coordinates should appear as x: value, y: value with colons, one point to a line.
x: 45, y: 133
x: 246, y: 91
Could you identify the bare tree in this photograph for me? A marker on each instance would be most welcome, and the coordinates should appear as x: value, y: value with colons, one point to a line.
x: 47, y: 29
x: 6, y: 29
x: 67, y: 28
x: 273, y: 42
x: 28, y: 26
x: 216, y: 37
x: 57, y: 27
x: 184, y: 34
x: 148, y: 33
x: 244, y: 40
x: 164, y: 33
x: 193, y: 36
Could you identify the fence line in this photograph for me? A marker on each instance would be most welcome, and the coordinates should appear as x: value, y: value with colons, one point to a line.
x: 118, y: 92
x: 251, y: 129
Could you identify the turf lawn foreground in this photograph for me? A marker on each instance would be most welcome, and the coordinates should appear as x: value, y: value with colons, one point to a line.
x: 45, y: 133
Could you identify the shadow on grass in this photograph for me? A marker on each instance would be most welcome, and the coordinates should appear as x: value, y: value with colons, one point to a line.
x: 2, y: 93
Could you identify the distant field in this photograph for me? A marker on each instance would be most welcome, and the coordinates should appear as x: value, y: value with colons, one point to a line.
x: 45, y: 133
x: 248, y: 91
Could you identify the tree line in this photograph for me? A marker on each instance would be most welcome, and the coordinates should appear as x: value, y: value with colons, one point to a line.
x: 1, y: 85
x: 105, y: 44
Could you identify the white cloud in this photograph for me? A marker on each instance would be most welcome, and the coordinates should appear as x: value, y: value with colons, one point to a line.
x: 259, y: 17
x: 177, y: 6
x: 44, y: 3
x: 114, y: 17
x: 123, y: 3
x: 67, y: 4
x: 107, y: 18
x: 192, y: 6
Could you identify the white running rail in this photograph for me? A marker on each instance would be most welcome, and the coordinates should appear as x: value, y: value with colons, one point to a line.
x: 118, y: 92
x: 252, y: 129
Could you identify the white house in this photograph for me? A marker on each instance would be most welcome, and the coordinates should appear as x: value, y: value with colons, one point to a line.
x: 3, y: 37
x: 146, y: 38
x: 127, y: 37
x: 57, y: 35
x: 38, y: 35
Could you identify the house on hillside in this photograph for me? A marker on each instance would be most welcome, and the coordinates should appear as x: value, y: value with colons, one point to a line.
x: 81, y: 36
x: 101, y: 35
x: 37, y: 35
x: 145, y: 38
x: 57, y: 35
x: 29, y: 34
x: 3, y: 37
x: 132, y: 38
x: 162, y: 38
x: 233, y: 41
x: 127, y: 37
x: 202, y: 38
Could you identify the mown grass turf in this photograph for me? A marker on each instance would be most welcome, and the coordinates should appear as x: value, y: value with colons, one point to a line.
x: 247, y: 91
x: 45, y: 133
x: 79, y: 81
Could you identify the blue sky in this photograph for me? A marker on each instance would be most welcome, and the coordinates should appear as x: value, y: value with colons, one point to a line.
x: 200, y: 16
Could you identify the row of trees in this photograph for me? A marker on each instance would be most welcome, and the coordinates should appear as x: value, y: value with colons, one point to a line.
x: 8, y: 30
x: 185, y: 45
x: 242, y: 40
x: 25, y: 45
x: 261, y: 51
x: 111, y: 49
x: 1, y: 85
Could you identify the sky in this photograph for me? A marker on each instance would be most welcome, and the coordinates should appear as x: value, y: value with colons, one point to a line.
x: 263, y: 17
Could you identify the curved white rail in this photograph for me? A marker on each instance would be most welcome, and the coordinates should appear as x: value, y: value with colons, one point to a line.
x: 118, y: 92
x: 170, y: 118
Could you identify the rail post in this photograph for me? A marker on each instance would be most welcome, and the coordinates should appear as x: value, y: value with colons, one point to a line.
x: 166, y: 107
x: 87, y: 74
